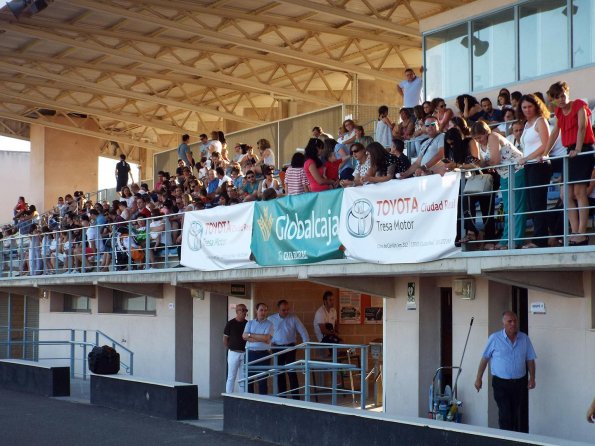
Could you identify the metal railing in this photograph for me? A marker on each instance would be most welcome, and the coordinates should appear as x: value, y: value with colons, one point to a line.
x: 507, y: 216
x: 141, y: 245
x: 319, y: 359
x: 60, y: 346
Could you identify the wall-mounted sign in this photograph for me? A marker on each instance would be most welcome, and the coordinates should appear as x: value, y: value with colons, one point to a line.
x: 237, y: 289
x: 411, y: 304
x: 538, y: 308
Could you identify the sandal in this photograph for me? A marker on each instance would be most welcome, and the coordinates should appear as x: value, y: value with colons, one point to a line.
x: 583, y: 242
x: 488, y: 247
x: 530, y: 245
x: 469, y: 237
x: 501, y: 247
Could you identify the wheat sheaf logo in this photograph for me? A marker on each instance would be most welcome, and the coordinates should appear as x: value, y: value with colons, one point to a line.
x: 265, y: 223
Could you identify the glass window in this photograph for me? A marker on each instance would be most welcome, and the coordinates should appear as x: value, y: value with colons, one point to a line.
x: 447, y: 62
x: 543, y: 38
x: 492, y: 43
x: 133, y: 303
x: 583, y: 32
x: 76, y: 304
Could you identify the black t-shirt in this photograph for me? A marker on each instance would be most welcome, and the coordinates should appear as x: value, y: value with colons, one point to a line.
x: 123, y: 168
x: 234, y: 330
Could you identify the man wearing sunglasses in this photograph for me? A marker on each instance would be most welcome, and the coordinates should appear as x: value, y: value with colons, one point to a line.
x: 431, y: 151
x: 235, y: 345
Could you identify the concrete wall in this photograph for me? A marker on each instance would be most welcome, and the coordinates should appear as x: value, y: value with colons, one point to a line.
x: 563, y: 339
x: 565, y: 345
x: 17, y: 182
x: 151, y: 338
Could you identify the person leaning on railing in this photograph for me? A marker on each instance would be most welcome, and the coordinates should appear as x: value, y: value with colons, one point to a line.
x: 573, y: 118
x: 495, y: 150
x: 537, y: 170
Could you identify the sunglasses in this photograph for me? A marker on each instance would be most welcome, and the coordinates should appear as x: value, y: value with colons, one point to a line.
x: 431, y: 124
x: 354, y: 151
x: 242, y: 311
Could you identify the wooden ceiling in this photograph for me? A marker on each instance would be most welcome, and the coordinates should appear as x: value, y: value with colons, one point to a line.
x: 145, y: 71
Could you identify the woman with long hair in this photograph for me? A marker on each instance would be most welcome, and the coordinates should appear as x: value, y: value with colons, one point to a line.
x: 420, y: 115
x: 267, y: 156
x: 313, y: 167
x: 380, y: 169
x: 462, y: 152
x: 537, y: 172
x: 442, y: 113
x: 469, y: 107
x: 406, y: 127
x: 573, y: 121
x: 496, y: 150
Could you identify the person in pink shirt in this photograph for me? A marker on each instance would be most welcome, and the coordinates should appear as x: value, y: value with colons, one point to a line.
x: 314, y: 169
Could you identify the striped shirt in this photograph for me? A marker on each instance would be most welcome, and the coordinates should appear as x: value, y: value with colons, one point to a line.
x: 295, y: 180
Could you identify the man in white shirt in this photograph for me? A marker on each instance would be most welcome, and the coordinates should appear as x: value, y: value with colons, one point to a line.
x: 326, y: 314
x: 411, y: 88
x: 431, y: 151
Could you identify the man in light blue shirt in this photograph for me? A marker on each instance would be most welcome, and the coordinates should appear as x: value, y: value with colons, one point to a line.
x: 287, y: 326
x: 510, y: 355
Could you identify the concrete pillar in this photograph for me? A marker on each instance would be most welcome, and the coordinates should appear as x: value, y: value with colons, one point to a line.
x: 183, y: 335
x: 401, y: 353
x: 209, y: 362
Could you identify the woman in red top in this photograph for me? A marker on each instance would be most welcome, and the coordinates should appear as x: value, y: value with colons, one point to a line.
x: 313, y: 167
x: 573, y: 119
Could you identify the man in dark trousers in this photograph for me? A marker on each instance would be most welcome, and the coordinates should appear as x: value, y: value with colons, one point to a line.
x: 287, y: 326
x: 510, y: 355
x: 236, y: 346
x: 122, y: 172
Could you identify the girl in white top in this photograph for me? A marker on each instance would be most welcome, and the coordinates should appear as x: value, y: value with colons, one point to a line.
x: 537, y: 173
x: 267, y: 157
x: 496, y: 150
x: 384, y: 127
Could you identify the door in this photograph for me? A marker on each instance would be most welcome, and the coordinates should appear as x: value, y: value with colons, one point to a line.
x: 520, y: 307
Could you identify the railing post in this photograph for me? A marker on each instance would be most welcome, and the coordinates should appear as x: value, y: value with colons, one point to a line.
x: 511, y: 206
x: 129, y: 248
x: 72, y: 339
x: 84, y: 354
x: 147, y: 244
x: 307, y: 370
x: 11, y: 255
x: 275, y: 374
x: 362, y: 385
x: 565, y: 200
x: 131, y: 368
x: 69, y: 251
x: 84, y: 250
x: 334, y: 378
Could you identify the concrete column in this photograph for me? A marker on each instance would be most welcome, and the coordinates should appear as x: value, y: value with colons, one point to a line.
x: 401, y: 353
x: 209, y: 362
x: 183, y: 335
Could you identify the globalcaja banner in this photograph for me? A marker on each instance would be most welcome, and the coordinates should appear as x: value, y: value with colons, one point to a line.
x: 401, y: 221
x: 218, y: 238
x: 297, y: 229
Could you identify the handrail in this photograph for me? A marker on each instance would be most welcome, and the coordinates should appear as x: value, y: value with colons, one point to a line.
x: 253, y: 372
x: 72, y: 342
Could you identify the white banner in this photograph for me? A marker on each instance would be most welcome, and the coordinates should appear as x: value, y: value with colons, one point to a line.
x: 401, y: 221
x: 218, y: 238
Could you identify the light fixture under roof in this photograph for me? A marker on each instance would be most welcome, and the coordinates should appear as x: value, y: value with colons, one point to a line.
x: 30, y: 7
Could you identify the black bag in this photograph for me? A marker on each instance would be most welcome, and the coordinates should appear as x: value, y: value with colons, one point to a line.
x: 104, y: 360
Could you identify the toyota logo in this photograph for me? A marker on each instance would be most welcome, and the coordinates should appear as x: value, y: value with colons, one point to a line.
x: 195, y: 236
x: 360, y: 220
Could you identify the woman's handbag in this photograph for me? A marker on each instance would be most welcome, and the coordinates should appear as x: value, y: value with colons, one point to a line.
x: 482, y: 182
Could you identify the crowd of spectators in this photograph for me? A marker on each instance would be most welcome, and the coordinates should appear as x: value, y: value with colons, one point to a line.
x: 518, y: 132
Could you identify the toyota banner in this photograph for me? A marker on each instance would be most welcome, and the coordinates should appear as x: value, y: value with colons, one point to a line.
x: 218, y: 238
x: 401, y: 221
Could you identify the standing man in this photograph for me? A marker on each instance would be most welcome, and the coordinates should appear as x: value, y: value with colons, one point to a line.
x: 258, y: 334
x: 123, y: 171
x: 510, y: 354
x: 236, y: 346
x: 184, y: 151
x: 287, y: 326
x: 412, y: 88
x: 325, y: 319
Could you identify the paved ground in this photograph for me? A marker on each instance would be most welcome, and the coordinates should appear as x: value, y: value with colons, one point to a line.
x: 32, y: 420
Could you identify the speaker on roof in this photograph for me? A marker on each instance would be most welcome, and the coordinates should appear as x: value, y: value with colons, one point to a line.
x: 17, y: 7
